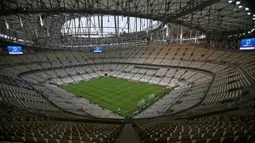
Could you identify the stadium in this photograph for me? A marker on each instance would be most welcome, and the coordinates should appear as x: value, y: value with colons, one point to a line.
x: 127, y: 71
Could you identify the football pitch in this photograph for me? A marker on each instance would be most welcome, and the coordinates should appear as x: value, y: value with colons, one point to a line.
x: 117, y: 95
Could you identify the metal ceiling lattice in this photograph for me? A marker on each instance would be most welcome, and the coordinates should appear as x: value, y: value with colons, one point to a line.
x: 24, y: 17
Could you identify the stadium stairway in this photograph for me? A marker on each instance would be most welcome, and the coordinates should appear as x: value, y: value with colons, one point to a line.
x: 128, y: 135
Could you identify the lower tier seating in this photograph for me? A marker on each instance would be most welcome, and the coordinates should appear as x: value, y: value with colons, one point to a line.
x: 20, y: 127
x: 235, y: 126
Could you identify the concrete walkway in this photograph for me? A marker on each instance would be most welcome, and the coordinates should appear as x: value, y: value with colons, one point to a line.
x: 128, y: 135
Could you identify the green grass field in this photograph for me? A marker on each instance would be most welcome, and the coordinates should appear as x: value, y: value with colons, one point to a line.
x: 113, y: 93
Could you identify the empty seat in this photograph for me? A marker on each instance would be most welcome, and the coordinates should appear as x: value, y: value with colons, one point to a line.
x: 47, y: 136
x: 218, y: 134
x: 174, y: 138
x: 29, y: 134
x: 19, y: 139
x: 30, y: 139
x: 186, y: 141
x: 50, y: 140
x: 214, y: 140
x: 196, y: 136
x: 185, y: 137
x: 78, y: 141
x: 229, y: 133
x: 250, y: 131
x: 229, y: 139
x: 76, y: 138
x: 64, y: 141
x: 67, y: 137
x: 67, y: 133
x: 85, y: 138
x: 41, y: 140
x: 201, y: 141
x: 38, y: 135
x: 242, y: 138
x: 57, y: 136
x: 8, y: 138
x: 95, y: 139
x: 208, y: 135
x: 162, y: 140
x: 251, y: 138
x: 20, y: 134
x: 239, y: 132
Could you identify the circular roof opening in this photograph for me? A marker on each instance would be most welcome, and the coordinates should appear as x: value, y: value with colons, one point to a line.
x: 96, y: 26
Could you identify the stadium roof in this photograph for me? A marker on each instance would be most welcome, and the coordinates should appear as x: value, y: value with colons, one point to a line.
x: 30, y: 20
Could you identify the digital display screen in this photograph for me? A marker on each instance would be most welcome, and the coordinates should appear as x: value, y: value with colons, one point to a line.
x: 248, y: 44
x: 15, y: 50
x: 98, y: 49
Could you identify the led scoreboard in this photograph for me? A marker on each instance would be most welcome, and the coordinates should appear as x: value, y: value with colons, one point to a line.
x: 15, y: 50
x: 248, y: 44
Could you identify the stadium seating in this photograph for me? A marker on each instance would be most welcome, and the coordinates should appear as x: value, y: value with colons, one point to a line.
x: 176, y: 66
x: 170, y: 78
x: 249, y: 68
x: 234, y: 126
x: 74, y: 104
x: 22, y: 127
x: 17, y: 93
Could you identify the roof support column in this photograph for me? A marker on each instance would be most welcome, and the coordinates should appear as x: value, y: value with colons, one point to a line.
x: 181, y: 34
x: 196, y: 36
x: 164, y: 33
x: 128, y: 24
x: 115, y: 25
x: 171, y: 34
x: 102, y: 26
x: 167, y: 31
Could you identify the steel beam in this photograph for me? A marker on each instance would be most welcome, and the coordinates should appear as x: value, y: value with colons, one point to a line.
x: 189, y: 25
x: 189, y: 8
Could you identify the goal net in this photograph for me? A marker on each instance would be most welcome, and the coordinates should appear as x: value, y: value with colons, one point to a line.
x: 141, y: 103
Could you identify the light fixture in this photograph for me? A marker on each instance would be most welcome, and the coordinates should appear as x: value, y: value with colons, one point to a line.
x: 240, y: 6
x: 6, y: 24
x: 230, y: 1
x: 247, y: 9
x: 20, y: 21
x: 249, y: 13
x: 238, y: 2
x: 41, y: 21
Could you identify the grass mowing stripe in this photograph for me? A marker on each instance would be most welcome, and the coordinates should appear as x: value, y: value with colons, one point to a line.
x: 113, y: 93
